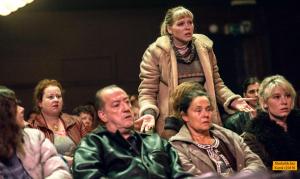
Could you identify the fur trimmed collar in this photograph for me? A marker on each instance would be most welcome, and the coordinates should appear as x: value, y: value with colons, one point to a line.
x: 280, y: 145
x: 199, y: 39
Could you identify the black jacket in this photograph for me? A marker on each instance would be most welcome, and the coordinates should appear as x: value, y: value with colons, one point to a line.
x: 271, y: 142
x: 104, y: 154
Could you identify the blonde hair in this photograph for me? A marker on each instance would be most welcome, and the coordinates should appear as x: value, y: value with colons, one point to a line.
x: 173, y: 15
x: 269, y: 84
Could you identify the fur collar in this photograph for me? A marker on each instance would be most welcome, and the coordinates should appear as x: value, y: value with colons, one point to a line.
x: 279, y: 145
x: 199, y: 39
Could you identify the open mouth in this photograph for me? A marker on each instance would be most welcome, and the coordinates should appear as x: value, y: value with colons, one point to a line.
x: 188, y: 34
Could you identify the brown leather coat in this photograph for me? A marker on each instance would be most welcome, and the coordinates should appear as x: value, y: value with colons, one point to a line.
x: 159, y: 77
x: 73, y: 126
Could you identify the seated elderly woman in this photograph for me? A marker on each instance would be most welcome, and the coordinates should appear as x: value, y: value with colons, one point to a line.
x: 274, y: 134
x: 25, y: 152
x: 205, y: 147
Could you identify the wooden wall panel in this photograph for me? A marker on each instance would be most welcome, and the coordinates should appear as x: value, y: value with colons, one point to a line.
x: 87, y: 70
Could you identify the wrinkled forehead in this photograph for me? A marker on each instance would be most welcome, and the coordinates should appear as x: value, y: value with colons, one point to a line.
x: 114, y: 94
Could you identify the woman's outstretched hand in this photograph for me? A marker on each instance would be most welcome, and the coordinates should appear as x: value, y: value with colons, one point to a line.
x: 242, y: 105
x: 148, y: 123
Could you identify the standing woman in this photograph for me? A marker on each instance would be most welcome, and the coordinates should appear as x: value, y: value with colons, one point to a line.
x: 64, y: 130
x: 180, y: 55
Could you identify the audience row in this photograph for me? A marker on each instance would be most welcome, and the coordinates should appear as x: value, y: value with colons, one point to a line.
x: 172, y: 129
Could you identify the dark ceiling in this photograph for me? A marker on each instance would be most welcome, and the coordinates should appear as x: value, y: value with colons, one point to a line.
x: 70, y: 5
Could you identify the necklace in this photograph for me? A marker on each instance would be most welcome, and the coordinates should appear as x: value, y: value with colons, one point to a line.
x: 52, y: 126
x: 55, y: 127
x: 182, y: 47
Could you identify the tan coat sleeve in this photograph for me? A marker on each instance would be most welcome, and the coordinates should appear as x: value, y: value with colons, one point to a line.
x: 150, y: 76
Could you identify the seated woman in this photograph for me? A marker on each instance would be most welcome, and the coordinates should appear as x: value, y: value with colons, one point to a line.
x: 173, y: 123
x: 205, y: 147
x: 274, y: 133
x: 64, y: 130
x: 25, y: 152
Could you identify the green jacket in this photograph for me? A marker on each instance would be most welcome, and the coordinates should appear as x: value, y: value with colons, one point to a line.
x: 102, y: 154
x: 237, y: 122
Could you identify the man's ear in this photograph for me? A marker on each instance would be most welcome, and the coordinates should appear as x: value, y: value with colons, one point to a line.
x: 102, y: 116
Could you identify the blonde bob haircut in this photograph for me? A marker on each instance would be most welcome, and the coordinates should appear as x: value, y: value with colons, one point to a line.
x: 173, y: 15
x: 268, y: 85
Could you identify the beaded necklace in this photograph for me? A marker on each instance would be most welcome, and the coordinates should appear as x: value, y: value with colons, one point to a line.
x: 221, y: 162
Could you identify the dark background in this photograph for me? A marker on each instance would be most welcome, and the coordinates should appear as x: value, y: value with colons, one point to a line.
x: 87, y: 44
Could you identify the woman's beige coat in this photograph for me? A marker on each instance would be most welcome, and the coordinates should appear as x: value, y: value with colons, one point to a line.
x: 159, y: 77
x: 197, y: 162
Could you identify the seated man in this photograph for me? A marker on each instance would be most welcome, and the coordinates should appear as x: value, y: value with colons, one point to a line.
x: 238, y: 121
x: 117, y: 151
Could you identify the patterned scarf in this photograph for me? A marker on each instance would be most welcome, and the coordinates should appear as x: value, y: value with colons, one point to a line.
x: 220, y: 161
x: 188, y: 57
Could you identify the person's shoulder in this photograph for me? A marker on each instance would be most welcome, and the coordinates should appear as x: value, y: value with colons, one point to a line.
x: 162, y: 42
x: 69, y: 119
x: 203, y: 40
x: 96, y: 137
x: 235, y: 118
x: 36, y: 121
x: 32, y: 131
x: 260, y: 123
x: 33, y: 134
x: 216, y: 129
x: 98, y: 133
x: 66, y: 116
